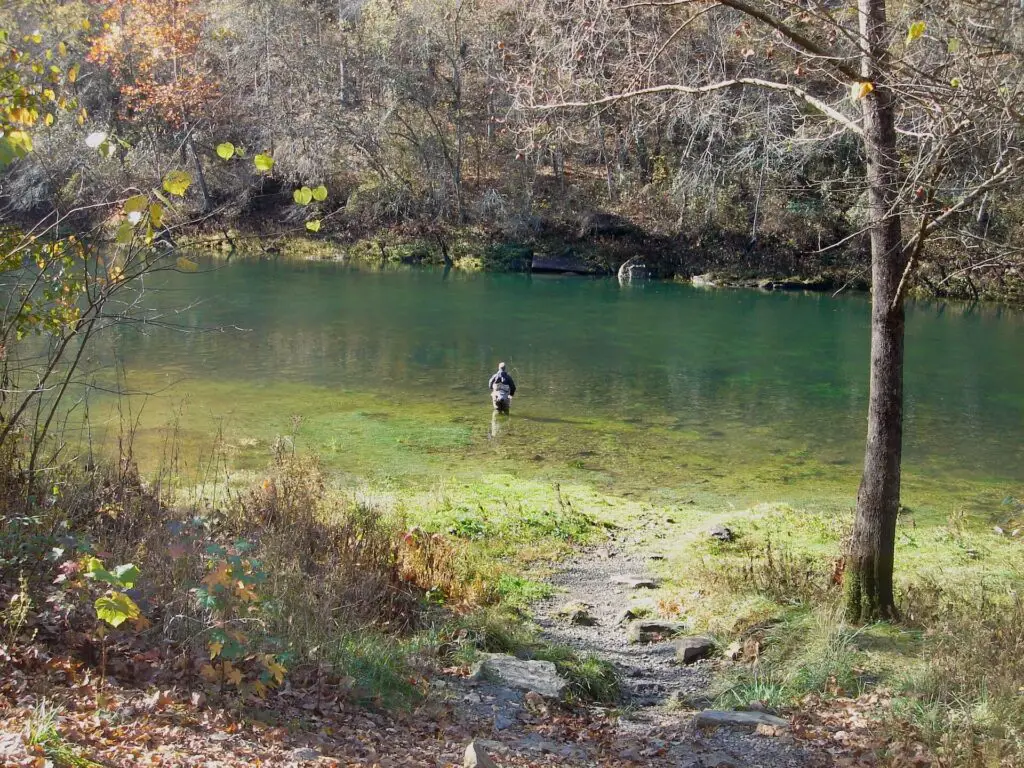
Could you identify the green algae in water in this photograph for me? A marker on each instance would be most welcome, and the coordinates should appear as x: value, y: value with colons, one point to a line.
x: 657, y: 392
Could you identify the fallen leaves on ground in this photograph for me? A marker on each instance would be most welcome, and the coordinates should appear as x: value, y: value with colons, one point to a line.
x: 852, y: 731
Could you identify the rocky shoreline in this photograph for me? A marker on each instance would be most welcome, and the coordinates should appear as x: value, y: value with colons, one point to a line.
x: 604, y: 244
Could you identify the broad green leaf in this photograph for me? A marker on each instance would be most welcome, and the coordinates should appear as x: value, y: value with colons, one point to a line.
x: 136, y: 204
x: 186, y: 265
x: 21, y: 142
x: 313, y: 225
x: 953, y: 45
x: 116, y: 609
x: 127, y: 575
x: 955, y: 82
x: 303, y: 195
x: 263, y: 162
x: 125, y: 233
x: 226, y: 150
x: 94, y: 570
x: 11, y: 148
x: 915, y: 31
x: 320, y: 193
x: 176, y: 182
x: 156, y: 215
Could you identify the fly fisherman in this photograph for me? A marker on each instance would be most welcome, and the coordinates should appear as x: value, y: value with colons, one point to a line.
x: 502, y: 387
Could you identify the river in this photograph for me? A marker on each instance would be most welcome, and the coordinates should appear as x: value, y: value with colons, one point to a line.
x: 656, y: 389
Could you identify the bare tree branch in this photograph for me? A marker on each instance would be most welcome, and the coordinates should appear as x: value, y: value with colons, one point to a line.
x: 815, y: 102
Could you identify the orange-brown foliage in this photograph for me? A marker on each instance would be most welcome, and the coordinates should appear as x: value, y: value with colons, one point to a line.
x: 152, y: 48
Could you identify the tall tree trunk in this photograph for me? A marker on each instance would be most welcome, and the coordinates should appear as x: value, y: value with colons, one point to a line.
x: 869, y: 567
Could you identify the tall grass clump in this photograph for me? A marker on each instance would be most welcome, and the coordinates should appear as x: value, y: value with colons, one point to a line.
x: 808, y: 651
x: 967, y: 701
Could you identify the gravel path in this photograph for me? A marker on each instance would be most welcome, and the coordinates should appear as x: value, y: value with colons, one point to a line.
x: 653, y: 727
x: 648, y: 672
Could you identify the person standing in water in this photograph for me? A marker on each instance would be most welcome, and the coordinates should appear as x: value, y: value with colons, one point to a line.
x: 502, y: 377
x: 501, y: 385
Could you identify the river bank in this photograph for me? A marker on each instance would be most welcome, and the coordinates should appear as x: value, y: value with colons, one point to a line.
x: 599, y: 243
x: 551, y: 568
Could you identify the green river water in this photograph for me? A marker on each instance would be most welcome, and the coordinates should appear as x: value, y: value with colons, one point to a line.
x: 657, y: 391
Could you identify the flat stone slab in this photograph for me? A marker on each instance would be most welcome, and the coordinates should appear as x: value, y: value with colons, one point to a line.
x: 691, y: 649
x: 635, y: 582
x: 718, y: 717
x: 521, y: 674
x: 653, y: 630
x: 560, y: 264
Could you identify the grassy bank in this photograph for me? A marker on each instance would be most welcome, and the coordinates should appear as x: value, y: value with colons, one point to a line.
x: 281, y: 573
x: 943, y: 683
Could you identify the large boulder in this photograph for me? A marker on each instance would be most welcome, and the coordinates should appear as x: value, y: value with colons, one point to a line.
x: 522, y: 674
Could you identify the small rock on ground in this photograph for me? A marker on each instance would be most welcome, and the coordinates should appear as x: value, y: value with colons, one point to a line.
x: 523, y: 675
x: 476, y: 757
x: 691, y: 649
x: 576, y: 613
x: 718, y: 760
x: 722, y: 533
x: 635, y: 582
x: 653, y: 630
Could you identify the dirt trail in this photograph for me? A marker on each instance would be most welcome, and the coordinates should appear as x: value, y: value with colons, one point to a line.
x: 653, y: 728
x: 648, y: 673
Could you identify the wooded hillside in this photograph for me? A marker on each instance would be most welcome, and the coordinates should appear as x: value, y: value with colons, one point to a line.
x: 432, y: 122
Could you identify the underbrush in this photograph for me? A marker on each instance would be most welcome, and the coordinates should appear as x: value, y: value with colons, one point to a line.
x: 950, y: 673
x: 288, y: 578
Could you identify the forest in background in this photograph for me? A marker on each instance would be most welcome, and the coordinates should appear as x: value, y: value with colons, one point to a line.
x: 428, y: 124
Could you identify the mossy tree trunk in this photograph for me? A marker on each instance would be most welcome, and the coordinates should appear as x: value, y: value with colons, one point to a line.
x: 869, y: 566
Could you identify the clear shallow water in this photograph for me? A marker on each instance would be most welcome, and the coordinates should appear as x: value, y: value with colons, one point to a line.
x: 640, y: 385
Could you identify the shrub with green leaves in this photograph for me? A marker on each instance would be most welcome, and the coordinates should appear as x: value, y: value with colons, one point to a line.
x: 114, y: 607
x: 236, y: 642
